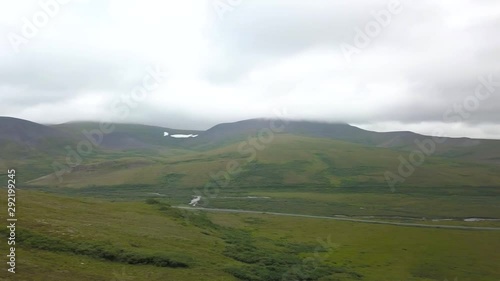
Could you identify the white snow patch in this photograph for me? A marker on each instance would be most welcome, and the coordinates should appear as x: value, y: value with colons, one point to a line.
x: 156, y: 194
x: 479, y: 219
x: 181, y: 136
x: 195, y: 201
x: 247, y: 197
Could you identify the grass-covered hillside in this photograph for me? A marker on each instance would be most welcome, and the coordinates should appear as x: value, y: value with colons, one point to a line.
x: 61, y: 238
x: 287, y: 160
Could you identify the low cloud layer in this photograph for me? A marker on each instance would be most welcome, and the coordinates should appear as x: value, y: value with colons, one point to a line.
x: 382, y: 65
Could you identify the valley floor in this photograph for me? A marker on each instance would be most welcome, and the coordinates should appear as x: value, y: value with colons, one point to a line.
x: 344, y: 218
x: 67, y: 238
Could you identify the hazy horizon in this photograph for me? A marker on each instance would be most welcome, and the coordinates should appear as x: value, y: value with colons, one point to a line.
x: 211, y: 126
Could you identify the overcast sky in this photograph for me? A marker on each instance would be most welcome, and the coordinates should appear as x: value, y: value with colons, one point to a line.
x: 417, y: 65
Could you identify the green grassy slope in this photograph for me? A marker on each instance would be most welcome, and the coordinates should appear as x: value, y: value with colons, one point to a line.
x: 288, y: 160
x: 311, y: 153
x: 300, y: 175
x: 62, y: 238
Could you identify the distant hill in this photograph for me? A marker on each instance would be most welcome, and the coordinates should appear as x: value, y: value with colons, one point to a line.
x: 127, y: 136
x: 460, y: 148
x: 136, y: 136
x: 21, y: 139
x: 295, y: 152
x: 26, y: 132
x: 339, y: 131
x: 287, y: 161
x: 30, y: 146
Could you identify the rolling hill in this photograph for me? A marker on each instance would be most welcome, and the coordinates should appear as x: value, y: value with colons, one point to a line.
x: 265, y: 152
x: 470, y: 149
x: 21, y: 134
x: 125, y: 136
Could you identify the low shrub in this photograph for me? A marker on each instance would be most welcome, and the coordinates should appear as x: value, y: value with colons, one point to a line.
x: 99, y: 250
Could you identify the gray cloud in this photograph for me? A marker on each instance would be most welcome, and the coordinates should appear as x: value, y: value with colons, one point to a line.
x: 261, y: 56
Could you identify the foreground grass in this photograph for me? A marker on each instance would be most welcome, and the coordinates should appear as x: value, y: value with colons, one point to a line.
x: 380, y: 252
x: 233, y: 246
x: 136, y: 228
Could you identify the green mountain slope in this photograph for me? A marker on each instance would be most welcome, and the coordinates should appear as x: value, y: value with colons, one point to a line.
x: 288, y: 160
x: 261, y: 152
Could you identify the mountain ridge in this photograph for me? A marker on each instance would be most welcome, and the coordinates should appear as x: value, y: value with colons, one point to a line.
x: 137, y: 136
